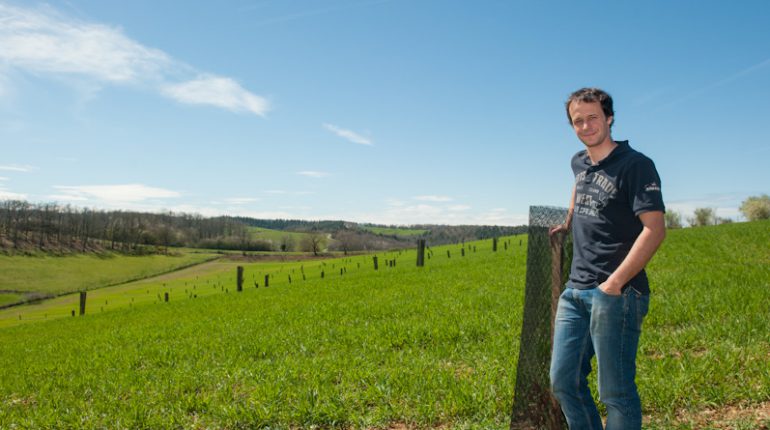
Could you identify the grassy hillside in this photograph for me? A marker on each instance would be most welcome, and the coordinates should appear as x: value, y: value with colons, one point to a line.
x: 406, y: 232
x: 53, y: 274
x: 431, y: 347
x: 276, y: 236
x: 358, y: 349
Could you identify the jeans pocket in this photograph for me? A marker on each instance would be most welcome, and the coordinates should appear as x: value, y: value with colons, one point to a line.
x: 601, y: 292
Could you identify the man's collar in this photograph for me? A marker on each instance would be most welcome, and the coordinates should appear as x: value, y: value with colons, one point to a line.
x: 622, y: 147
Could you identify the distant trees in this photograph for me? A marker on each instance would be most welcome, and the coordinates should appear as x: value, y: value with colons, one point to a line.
x: 313, y: 242
x: 703, y: 217
x: 52, y: 227
x: 349, y: 240
x: 756, y: 207
x: 673, y: 219
x: 287, y: 243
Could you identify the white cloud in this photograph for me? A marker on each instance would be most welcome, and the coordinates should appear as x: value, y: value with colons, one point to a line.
x: 7, y: 195
x: 3, y: 178
x: 67, y: 198
x: 349, y: 135
x: 400, y: 213
x: 110, y: 194
x: 217, y: 91
x: 17, y: 168
x: 435, y: 199
x: 313, y: 174
x: 44, y: 41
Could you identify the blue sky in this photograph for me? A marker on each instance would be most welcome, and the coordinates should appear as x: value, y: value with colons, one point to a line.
x: 395, y: 112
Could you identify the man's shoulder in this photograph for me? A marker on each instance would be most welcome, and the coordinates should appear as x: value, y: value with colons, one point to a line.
x: 579, y: 158
x: 632, y: 157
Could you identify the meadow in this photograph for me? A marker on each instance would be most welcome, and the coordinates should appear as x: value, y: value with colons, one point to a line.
x: 277, y: 236
x: 24, y: 276
x: 399, y: 347
x: 394, y: 231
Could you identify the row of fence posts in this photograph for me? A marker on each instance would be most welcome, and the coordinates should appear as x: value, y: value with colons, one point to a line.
x: 534, y: 404
x: 421, y: 247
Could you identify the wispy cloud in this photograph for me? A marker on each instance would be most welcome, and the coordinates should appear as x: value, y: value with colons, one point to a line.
x: 44, y: 41
x: 17, y: 168
x: 129, y: 193
x: 313, y: 174
x: 7, y: 195
x: 716, y: 84
x: 217, y: 91
x: 3, y: 178
x: 348, y: 135
x: 398, y: 212
x: 436, y: 199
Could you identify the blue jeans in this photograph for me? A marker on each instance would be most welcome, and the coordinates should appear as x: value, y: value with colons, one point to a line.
x: 588, y: 322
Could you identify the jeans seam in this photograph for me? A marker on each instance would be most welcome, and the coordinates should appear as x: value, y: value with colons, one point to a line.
x: 623, y: 394
x: 586, y: 412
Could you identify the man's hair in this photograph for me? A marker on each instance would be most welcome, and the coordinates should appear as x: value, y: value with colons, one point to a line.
x: 592, y: 95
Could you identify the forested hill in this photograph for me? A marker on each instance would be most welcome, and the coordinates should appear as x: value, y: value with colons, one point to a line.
x: 49, y: 227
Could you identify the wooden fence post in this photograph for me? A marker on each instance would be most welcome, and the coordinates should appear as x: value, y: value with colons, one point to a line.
x: 240, y: 278
x: 375, y: 262
x: 267, y: 281
x: 494, y: 244
x: 420, y: 252
x: 82, y: 303
x: 165, y: 297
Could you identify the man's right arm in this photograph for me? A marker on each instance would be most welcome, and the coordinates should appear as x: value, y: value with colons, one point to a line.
x: 565, y: 228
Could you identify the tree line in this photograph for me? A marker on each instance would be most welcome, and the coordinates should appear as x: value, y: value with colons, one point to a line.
x: 54, y: 227
x: 754, y: 208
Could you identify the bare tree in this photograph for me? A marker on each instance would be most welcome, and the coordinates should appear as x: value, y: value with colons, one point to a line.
x: 287, y: 243
x: 313, y: 242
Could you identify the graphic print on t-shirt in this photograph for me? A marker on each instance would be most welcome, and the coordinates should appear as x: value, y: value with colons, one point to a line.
x: 593, y: 189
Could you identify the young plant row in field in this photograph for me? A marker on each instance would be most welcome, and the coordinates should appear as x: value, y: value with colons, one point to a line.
x: 216, y: 277
x: 24, y: 277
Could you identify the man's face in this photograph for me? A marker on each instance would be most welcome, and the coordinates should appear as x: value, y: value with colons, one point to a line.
x: 589, y: 122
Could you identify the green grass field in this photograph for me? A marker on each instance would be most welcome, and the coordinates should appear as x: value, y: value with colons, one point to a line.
x: 276, y: 236
x: 387, y: 231
x: 432, y: 347
x: 21, y: 276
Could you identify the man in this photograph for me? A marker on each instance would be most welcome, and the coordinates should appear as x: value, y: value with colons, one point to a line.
x: 617, y: 222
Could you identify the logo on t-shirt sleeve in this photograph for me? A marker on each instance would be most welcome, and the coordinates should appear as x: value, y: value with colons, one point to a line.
x: 653, y: 186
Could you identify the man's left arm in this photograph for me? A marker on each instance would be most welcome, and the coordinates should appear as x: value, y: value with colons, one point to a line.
x: 648, y: 241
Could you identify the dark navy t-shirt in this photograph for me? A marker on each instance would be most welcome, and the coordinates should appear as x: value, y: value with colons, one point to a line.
x: 609, y: 197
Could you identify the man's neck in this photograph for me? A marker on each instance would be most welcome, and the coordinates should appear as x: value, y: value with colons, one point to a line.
x: 601, y: 151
